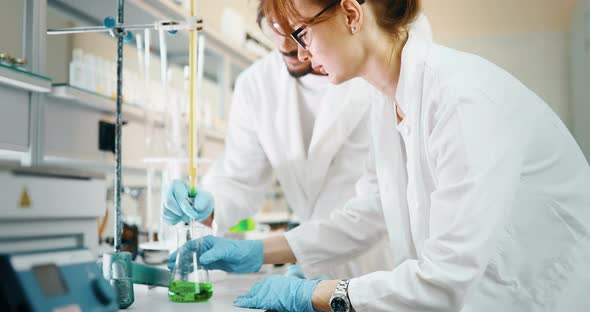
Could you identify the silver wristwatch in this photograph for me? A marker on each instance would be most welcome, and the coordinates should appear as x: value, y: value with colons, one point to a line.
x: 339, y: 301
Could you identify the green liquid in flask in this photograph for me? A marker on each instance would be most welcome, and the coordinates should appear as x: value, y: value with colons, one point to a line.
x: 179, y: 291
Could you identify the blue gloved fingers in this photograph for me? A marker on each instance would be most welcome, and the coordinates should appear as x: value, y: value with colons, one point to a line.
x: 205, y: 244
x: 172, y: 260
x: 179, y: 206
x: 171, y: 206
x: 186, y: 259
x: 248, y: 255
x: 280, y: 293
x: 253, y: 302
x: 203, y: 203
x: 180, y: 192
x: 249, y: 300
x: 170, y: 202
x: 245, y: 302
x: 171, y: 217
x: 212, y: 255
x: 208, y: 242
x: 241, y: 256
x: 194, y: 245
x: 187, y: 249
x: 260, y: 296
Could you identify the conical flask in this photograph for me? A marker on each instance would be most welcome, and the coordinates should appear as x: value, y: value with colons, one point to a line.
x: 188, y: 281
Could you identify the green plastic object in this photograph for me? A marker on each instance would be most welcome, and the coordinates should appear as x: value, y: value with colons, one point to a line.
x: 180, y: 291
x: 149, y: 275
x: 245, y: 225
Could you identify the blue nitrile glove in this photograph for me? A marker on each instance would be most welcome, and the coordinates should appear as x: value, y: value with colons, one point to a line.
x: 295, y: 271
x: 279, y: 293
x: 177, y: 205
x: 230, y: 255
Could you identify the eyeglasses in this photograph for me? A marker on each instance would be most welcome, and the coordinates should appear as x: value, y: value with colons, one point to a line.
x: 299, y: 35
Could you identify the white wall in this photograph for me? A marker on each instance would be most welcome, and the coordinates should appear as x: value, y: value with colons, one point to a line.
x: 213, y: 13
x: 11, y: 27
x: 580, y: 64
x: 540, y: 60
x: 540, y: 42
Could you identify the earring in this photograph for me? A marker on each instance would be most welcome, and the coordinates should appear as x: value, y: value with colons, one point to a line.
x: 353, y: 30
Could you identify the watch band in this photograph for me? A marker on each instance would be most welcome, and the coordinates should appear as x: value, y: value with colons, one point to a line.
x: 342, y: 286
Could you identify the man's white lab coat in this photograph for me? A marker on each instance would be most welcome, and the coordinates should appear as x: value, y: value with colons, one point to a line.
x: 264, y: 136
x: 482, y: 189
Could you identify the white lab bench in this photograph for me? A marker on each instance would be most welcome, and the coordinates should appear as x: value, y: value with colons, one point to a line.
x: 226, y: 287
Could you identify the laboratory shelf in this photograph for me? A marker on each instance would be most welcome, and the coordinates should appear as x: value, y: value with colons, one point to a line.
x: 100, y: 102
x: 90, y: 166
x: 24, y: 80
x: 92, y: 12
x: 72, y: 131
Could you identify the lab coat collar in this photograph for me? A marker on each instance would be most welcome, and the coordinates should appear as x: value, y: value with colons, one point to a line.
x: 338, y: 112
x: 335, y: 122
x: 412, y: 67
x: 288, y: 118
x: 338, y: 117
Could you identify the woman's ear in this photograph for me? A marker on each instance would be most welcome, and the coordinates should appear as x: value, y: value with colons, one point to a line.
x: 354, y: 15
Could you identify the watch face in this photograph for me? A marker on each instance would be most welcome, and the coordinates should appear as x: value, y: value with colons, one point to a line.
x: 339, y: 304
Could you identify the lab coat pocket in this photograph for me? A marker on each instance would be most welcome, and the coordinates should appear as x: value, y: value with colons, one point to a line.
x: 536, y: 251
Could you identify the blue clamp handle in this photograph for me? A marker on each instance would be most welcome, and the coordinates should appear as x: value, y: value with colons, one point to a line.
x: 128, y: 37
x: 109, y: 22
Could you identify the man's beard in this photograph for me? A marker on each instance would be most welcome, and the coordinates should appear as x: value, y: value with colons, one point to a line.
x: 301, y: 72
x: 296, y: 73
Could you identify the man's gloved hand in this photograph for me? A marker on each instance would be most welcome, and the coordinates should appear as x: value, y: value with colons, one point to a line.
x: 178, y: 207
x: 216, y: 253
x: 279, y: 293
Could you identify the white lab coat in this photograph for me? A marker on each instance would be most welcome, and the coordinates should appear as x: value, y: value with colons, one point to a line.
x: 264, y: 137
x: 484, y: 193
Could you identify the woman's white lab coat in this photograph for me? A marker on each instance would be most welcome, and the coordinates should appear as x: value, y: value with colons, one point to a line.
x: 484, y: 193
x: 264, y: 137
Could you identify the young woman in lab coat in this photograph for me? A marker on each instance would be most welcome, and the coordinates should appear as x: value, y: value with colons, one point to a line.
x: 482, y: 189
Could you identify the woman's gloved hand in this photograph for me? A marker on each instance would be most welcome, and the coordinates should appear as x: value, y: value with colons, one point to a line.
x: 216, y: 253
x: 281, y: 294
x: 179, y: 206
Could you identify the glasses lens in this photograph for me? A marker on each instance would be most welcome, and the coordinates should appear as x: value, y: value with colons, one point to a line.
x: 301, y: 42
x: 299, y: 37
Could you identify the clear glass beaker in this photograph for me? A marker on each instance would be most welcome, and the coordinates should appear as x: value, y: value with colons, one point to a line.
x: 188, y: 281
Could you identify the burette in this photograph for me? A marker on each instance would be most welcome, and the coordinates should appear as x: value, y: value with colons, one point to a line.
x: 192, y: 169
x: 196, y: 57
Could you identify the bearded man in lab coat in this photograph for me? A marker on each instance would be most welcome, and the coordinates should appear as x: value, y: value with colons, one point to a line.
x: 287, y: 119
